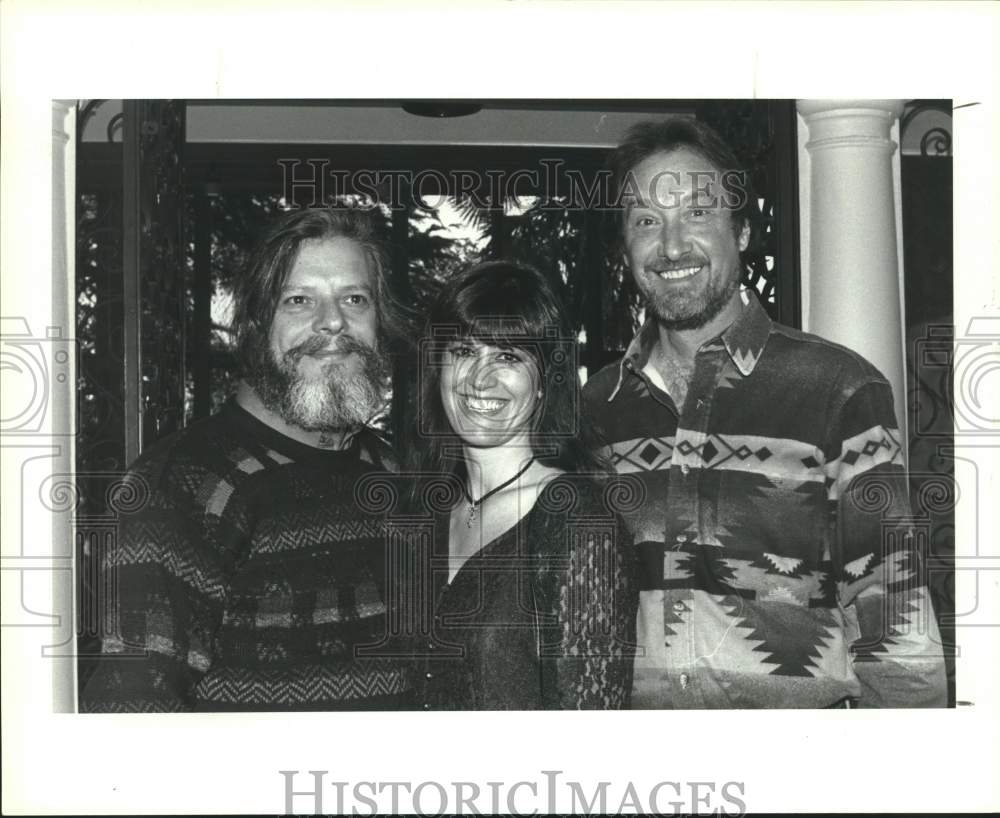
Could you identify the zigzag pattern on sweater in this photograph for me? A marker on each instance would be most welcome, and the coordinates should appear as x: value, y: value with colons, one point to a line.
x: 307, y: 684
x: 152, y: 543
x: 290, y: 532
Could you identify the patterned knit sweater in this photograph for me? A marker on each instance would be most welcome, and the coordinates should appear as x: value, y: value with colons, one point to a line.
x: 246, y: 578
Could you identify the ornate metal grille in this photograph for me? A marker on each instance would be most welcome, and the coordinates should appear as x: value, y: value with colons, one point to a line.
x: 154, y: 243
x: 131, y: 294
x: 762, y: 133
x: 100, y: 408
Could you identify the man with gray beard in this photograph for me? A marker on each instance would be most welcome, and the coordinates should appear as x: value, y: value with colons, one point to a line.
x: 249, y: 576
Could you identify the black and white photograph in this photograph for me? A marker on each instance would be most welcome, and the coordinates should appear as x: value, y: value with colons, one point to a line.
x: 353, y: 425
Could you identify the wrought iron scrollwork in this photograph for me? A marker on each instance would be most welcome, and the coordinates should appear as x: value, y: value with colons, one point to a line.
x: 936, y: 140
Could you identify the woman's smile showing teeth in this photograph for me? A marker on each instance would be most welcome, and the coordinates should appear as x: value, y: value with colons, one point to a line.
x: 484, y: 406
x: 489, y: 392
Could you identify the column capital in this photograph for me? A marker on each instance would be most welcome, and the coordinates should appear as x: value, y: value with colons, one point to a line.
x: 61, y: 109
x: 856, y: 123
x: 810, y: 107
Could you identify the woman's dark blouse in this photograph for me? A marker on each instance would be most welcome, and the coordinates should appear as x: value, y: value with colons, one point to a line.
x: 543, y: 617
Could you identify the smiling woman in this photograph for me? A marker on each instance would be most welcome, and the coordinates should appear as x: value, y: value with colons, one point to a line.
x: 490, y: 393
x: 529, y: 572
x: 498, y: 333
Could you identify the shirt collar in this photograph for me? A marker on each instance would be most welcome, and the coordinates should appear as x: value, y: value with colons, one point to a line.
x: 744, y: 340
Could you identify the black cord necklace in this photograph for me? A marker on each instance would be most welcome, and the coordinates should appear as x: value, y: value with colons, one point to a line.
x: 475, y: 504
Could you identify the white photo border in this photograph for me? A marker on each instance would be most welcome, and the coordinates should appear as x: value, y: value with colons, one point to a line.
x: 788, y: 761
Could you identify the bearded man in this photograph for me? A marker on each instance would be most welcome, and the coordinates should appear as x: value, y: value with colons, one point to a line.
x: 249, y: 575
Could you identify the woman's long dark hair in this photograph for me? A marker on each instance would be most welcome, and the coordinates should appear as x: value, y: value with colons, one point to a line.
x: 501, y: 303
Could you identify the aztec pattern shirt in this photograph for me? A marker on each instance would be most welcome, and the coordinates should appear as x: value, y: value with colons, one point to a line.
x: 246, y: 578
x: 777, y: 562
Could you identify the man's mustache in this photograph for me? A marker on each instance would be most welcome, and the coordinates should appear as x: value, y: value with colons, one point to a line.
x: 317, y: 343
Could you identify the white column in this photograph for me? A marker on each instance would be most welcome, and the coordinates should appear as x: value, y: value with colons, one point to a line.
x: 852, y: 270
x: 62, y: 652
x: 37, y: 390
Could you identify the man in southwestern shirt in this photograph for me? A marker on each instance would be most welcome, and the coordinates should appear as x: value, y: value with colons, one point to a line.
x: 776, y: 566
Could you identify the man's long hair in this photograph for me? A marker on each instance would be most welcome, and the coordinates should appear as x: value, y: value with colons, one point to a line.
x: 258, y: 289
x: 674, y: 133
